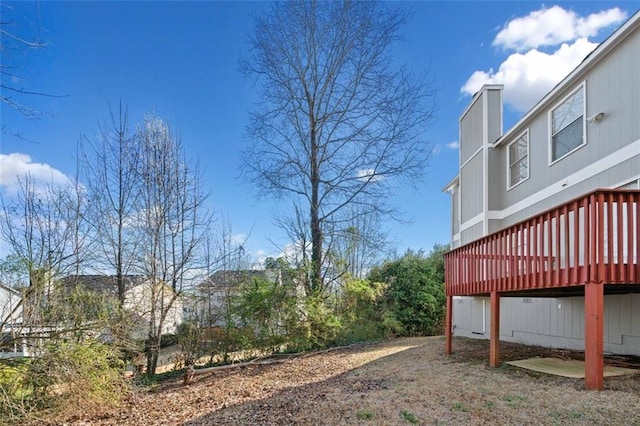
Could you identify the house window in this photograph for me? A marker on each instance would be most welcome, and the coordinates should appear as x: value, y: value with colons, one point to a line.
x: 567, y: 125
x: 518, y: 159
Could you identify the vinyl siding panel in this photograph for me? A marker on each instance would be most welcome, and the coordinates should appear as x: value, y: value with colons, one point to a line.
x: 471, y: 131
x: 470, y: 234
x: 497, y: 178
x: 609, y: 178
x: 553, y: 322
x: 471, y: 182
x: 494, y: 114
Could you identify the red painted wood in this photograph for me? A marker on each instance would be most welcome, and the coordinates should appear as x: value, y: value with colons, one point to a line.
x: 610, y: 259
x: 622, y: 265
x: 566, y: 243
x: 587, y: 242
x: 546, y: 250
x: 633, y: 230
x: 556, y: 253
x: 593, y: 333
x: 549, y: 257
x: 593, y: 243
x: 575, y: 271
x: 601, y: 271
x: 540, y: 248
x: 494, y: 343
x: 448, y: 330
x: 528, y: 283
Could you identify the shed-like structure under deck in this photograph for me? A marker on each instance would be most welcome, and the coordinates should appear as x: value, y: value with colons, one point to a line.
x: 588, y: 246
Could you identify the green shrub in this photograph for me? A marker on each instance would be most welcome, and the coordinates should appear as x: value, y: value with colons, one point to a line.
x: 68, y: 376
x: 415, y: 293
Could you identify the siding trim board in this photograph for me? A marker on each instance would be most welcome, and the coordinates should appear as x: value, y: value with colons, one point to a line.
x: 485, y: 161
x: 479, y: 218
x: 472, y: 156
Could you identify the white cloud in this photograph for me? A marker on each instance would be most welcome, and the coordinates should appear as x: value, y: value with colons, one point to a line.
x: 16, y: 165
x: 527, y: 77
x: 369, y: 174
x: 453, y: 145
x: 552, y: 26
x: 529, y: 73
x: 238, y: 239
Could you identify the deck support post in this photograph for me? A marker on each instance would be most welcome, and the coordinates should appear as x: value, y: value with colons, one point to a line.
x: 494, y: 344
x: 448, y: 329
x: 593, y: 336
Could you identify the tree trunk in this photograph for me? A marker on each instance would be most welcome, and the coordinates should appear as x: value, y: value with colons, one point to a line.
x: 153, y: 350
x: 316, y: 229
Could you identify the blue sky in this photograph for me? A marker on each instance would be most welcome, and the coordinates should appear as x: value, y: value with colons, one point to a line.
x: 180, y: 60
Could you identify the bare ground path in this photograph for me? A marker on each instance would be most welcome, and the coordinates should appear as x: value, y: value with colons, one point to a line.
x: 400, y: 381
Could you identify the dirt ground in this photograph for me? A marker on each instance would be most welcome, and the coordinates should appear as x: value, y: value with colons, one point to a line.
x: 400, y: 381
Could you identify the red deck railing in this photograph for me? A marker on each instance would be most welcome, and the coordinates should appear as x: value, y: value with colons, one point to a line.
x: 591, y: 239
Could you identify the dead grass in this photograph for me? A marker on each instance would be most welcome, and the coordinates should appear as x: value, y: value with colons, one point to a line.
x: 403, y: 381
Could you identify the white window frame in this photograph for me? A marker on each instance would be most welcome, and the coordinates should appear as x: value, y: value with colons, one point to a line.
x: 511, y: 185
x: 582, y: 87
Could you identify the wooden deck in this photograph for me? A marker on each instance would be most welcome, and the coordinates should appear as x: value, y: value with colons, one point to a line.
x: 592, y: 239
x: 589, y: 246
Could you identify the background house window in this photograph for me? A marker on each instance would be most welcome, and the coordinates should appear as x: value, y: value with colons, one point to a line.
x: 567, y: 125
x: 518, y: 153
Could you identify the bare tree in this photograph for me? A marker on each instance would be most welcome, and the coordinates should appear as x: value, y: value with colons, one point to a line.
x: 173, y: 221
x: 44, y: 230
x: 42, y: 226
x: 110, y: 164
x: 18, y: 35
x: 337, y: 126
x: 358, y: 244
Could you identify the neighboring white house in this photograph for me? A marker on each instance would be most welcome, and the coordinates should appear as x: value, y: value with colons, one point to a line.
x: 211, y: 302
x: 518, y: 237
x: 10, y: 322
x: 139, y: 296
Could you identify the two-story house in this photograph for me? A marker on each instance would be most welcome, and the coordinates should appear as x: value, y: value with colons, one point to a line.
x: 213, y: 299
x: 546, y: 215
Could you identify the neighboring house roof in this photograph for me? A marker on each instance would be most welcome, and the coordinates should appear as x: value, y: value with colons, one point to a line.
x: 230, y: 278
x: 104, y: 284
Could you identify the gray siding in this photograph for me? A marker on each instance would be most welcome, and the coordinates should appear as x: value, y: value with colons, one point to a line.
x: 553, y: 322
x: 497, y: 178
x: 494, y: 114
x: 472, y: 233
x: 471, y: 184
x: 471, y: 125
x: 609, y: 178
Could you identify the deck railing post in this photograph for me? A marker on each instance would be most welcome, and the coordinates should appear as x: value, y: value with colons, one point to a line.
x: 448, y: 326
x: 494, y: 344
x: 593, y: 335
